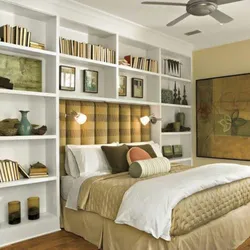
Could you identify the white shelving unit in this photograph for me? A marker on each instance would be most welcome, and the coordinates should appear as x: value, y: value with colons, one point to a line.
x: 44, y: 106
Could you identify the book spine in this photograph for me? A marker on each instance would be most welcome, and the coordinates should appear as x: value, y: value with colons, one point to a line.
x: 28, y: 39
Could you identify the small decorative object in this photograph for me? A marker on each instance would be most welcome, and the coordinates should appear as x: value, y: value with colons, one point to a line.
x: 33, y: 208
x: 180, y: 117
x: 39, y: 131
x: 8, y: 127
x: 123, y: 86
x: 166, y: 96
x: 184, y: 101
x: 14, y: 210
x: 169, y: 128
x: 167, y: 151
x: 177, y: 126
x: 177, y: 150
x: 137, y: 88
x: 175, y: 101
x: 123, y: 62
x: 24, y: 128
x: 38, y: 170
x: 90, y: 81
x: 179, y: 97
x: 5, y: 83
x: 67, y: 78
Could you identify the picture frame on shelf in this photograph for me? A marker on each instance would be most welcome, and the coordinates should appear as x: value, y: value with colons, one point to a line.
x: 167, y: 151
x: 67, y: 78
x: 90, y: 81
x: 122, y: 85
x: 177, y: 150
x: 137, y: 88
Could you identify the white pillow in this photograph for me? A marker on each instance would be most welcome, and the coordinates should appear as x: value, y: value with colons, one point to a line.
x: 86, y: 159
x: 155, y: 146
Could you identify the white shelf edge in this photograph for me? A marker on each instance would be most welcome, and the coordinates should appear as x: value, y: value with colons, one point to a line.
x: 22, y: 182
x: 176, y: 78
x: 175, y: 105
x: 128, y: 68
x: 86, y: 60
x: 176, y: 133
x: 180, y: 159
x: 22, y: 49
x: 66, y: 96
x: 29, y: 137
x: 26, y: 93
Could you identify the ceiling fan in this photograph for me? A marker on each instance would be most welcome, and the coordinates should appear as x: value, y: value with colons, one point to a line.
x: 199, y: 8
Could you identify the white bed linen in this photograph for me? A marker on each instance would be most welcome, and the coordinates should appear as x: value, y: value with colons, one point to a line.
x: 66, y: 184
x: 73, y: 194
x: 148, y: 204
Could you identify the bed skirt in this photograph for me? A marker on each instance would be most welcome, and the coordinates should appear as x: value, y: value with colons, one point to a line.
x: 227, y: 232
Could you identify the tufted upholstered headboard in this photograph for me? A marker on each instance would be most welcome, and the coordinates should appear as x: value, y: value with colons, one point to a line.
x: 106, y: 123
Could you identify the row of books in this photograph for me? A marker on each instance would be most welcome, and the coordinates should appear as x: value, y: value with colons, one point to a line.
x: 142, y: 63
x: 18, y: 35
x: 9, y: 171
x: 86, y: 50
x: 171, y: 67
x: 37, y: 170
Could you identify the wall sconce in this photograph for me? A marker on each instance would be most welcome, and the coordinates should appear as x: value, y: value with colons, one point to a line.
x: 79, y: 117
x: 146, y: 119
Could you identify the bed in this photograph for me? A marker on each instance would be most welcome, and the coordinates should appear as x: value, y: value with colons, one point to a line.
x: 214, y: 218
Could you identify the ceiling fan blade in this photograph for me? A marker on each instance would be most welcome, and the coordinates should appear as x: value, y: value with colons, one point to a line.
x: 221, y: 17
x: 220, y: 2
x: 163, y: 3
x: 177, y: 20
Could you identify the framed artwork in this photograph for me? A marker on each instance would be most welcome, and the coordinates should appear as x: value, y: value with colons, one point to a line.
x: 177, y: 149
x: 67, y: 78
x: 223, y: 117
x: 137, y: 87
x: 90, y: 81
x: 122, y: 86
x: 167, y: 151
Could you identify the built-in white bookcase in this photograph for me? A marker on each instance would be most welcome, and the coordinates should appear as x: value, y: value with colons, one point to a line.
x: 44, y: 106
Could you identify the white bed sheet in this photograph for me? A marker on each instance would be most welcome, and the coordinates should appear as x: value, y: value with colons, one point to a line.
x: 66, y: 184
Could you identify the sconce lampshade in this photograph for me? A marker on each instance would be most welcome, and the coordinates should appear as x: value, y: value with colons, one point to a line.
x: 80, y: 118
x: 145, y: 120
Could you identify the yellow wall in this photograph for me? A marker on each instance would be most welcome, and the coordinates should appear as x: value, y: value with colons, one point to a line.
x: 224, y: 60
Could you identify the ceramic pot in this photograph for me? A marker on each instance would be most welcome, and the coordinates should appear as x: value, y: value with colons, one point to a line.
x: 177, y: 126
x: 180, y: 117
x: 25, y: 127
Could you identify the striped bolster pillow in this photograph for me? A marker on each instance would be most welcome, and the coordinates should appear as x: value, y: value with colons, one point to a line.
x: 149, y: 167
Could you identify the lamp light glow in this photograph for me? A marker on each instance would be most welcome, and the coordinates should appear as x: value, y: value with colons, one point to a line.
x: 145, y: 120
x: 80, y: 118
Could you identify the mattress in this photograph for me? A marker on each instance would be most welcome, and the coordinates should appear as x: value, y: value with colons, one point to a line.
x: 103, y: 195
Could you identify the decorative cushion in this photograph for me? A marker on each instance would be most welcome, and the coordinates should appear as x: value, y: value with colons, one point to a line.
x: 137, y: 154
x: 149, y: 167
x: 117, y: 158
x: 147, y: 147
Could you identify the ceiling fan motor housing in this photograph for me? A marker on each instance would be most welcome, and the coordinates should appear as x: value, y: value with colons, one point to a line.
x: 201, y: 7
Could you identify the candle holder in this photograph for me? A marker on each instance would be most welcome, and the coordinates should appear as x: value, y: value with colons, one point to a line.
x: 14, y: 210
x: 33, y: 208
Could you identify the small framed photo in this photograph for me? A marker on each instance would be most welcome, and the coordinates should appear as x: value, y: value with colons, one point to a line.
x: 123, y: 86
x: 177, y: 150
x: 137, y: 87
x: 67, y: 78
x: 90, y: 81
x: 167, y: 151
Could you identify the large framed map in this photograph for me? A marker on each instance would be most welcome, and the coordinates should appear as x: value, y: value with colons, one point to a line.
x: 223, y: 117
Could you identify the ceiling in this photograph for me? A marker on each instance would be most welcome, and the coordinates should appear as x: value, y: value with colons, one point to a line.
x: 157, y: 17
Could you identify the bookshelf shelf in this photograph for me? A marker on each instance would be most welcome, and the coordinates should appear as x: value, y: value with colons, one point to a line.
x: 79, y: 60
x: 27, y: 93
x: 175, y: 78
x: 175, y: 133
x: 139, y: 71
x: 25, y: 50
x: 27, y: 181
x: 30, y: 137
x: 175, y: 106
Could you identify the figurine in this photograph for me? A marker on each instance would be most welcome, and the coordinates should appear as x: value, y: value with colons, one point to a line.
x: 184, y: 101
x: 175, y: 101
x: 179, y: 97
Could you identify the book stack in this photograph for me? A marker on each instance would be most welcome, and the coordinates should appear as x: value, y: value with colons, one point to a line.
x: 9, y: 171
x: 172, y: 67
x: 16, y: 35
x: 37, y: 45
x: 86, y: 50
x: 142, y: 63
x: 38, y: 170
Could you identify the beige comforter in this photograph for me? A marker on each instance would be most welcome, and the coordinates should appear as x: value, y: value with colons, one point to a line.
x: 103, y: 195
